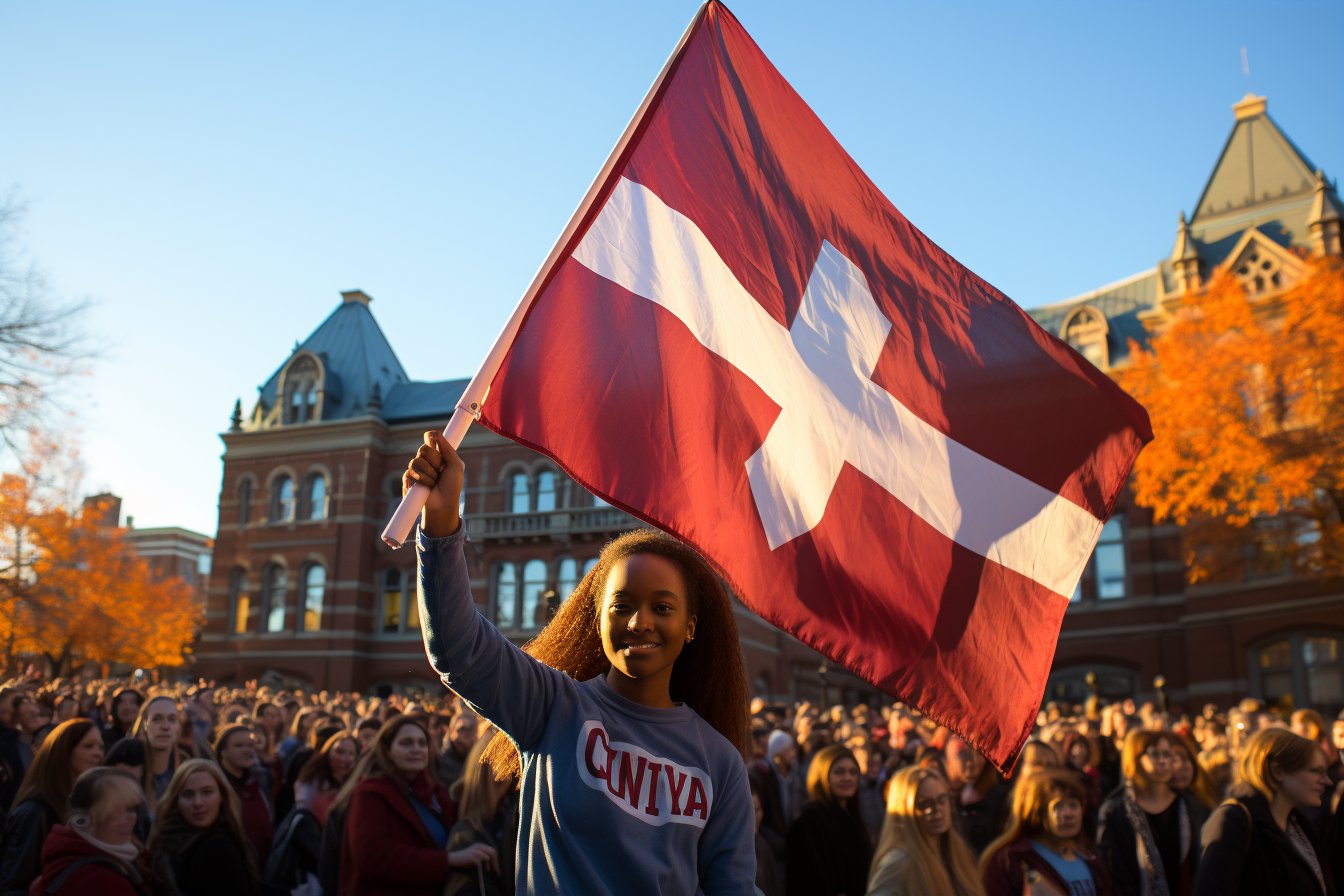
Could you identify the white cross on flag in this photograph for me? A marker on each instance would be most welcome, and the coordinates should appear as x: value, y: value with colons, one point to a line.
x: 746, y: 344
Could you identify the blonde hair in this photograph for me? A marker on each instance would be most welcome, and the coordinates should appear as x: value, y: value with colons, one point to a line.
x: 171, y: 829
x: 99, y: 793
x: 481, y: 792
x: 1270, y: 751
x: 932, y: 869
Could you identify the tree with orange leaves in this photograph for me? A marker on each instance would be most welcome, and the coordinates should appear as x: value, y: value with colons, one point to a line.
x: 1247, y: 403
x: 74, y: 591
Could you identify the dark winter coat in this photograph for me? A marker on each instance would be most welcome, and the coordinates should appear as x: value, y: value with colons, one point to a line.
x: 1118, y: 845
x: 25, y: 829
x: 209, y: 863
x: 827, y: 853
x: 1246, y: 852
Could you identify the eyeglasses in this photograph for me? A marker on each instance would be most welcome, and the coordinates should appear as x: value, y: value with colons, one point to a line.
x: 929, y: 806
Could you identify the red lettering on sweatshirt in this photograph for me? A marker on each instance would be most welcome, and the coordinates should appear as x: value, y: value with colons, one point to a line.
x: 654, y: 789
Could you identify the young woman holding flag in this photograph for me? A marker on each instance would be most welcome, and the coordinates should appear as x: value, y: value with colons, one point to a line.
x: 626, y: 718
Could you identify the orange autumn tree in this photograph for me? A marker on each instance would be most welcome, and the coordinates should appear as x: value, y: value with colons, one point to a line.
x: 73, y: 591
x: 1247, y: 403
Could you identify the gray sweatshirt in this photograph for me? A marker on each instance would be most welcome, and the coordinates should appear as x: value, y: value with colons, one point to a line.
x: 616, y: 798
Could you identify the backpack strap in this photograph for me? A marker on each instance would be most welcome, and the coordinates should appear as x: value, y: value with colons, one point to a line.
x: 77, y: 865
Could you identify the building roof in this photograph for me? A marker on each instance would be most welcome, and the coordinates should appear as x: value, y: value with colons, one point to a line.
x: 1121, y: 302
x: 421, y: 401
x: 356, y: 355
x: 1261, y: 180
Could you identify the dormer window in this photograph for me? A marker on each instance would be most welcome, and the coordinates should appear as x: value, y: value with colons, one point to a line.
x: 1085, y: 330
x: 301, y: 382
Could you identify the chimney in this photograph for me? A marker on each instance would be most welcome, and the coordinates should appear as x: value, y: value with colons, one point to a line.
x: 356, y: 295
x: 103, y: 510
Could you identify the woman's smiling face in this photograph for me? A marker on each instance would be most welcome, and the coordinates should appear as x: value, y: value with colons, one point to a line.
x: 644, y: 618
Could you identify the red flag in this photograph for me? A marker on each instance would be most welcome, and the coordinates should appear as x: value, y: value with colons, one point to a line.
x: 747, y: 345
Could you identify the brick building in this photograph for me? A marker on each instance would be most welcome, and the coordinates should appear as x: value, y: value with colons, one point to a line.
x: 304, y: 586
x: 1134, y: 617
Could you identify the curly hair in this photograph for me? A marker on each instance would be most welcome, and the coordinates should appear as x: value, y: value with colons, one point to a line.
x: 708, y: 676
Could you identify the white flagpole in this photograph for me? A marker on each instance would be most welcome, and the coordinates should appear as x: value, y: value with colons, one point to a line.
x: 469, y: 405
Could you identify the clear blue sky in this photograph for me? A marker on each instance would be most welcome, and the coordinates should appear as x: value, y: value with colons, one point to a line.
x: 212, y: 175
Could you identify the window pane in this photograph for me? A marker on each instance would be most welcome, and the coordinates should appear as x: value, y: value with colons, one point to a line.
x: 1325, y: 686
x: 1277, y: 686
x: 588, y: 565
x: 568, y: 579
x: 506, y: 596
x: 244, y: 502
x: 412, y: 611
x: 277, y: 580
x: 546, y: 491
x: 534, y: 584
x: 317, y: 498
x: 1317, y: 651
x: 313, y: 591
x: 1276, y: 656
x: 392, y: 600
x: 519, y: 500
x: 238, y: 600
x: 1110, y: 565
x: 284, y: 499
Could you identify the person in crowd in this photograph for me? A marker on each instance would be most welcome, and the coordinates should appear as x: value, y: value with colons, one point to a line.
x: 365, y: 732
x: 157, y: 727
x: 1045, y: 841
x: 979, y: 794
x: 304, y: 719
x: 28, y: 722
x: 763, y: 775
x: 919, y: 852
x: 1082, y: 753
x: 872, y: 796
x: 782, y: 752
x: 1188, y: 775
x: 95, y: 850
x: 71, y: 749
x: 1259, y: 841
x: 659, y: 675
x: 122, y: 714
x: 487, y: 813
x: 397, y: 820
x: 1147, y: 832
x: 325, y: 772
x: 461, y: 737
x: 11, y: 761
x: 769, y: 875
x: 65, y: 707
x: 197, y: 845
x: 827, y: 849
x: 236, y: 753
x: 270, y: 717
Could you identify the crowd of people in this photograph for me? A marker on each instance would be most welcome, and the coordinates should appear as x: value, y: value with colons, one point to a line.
x: 194, y: 789
x: 620, y: 753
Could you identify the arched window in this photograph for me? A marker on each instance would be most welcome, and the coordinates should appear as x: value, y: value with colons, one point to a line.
x: 391, y: 494
x: 315, y: 497
x: 1302, y: 668
x: 534, y: 586
x: 244, y: 501
x: 276, y: 582
x: 1085, y: 330
x: 314, y: 590
x: 520, y: 501
x: 301, y: 390
x: 567, y: 577
x: 240, y: 605
x: 589, y: 564
x: 282, y: 499
x: 545, y: 491
x: 506, y: 596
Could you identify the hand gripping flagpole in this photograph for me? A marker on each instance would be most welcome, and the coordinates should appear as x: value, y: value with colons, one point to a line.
x: 469, y: 405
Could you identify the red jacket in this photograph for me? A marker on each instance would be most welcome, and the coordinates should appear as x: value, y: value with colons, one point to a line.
x: 255, y: 807
x: 387, y: 851
x: 107, y: 877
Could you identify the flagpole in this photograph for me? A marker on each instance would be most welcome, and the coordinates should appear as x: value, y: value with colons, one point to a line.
x: 469, y: 405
